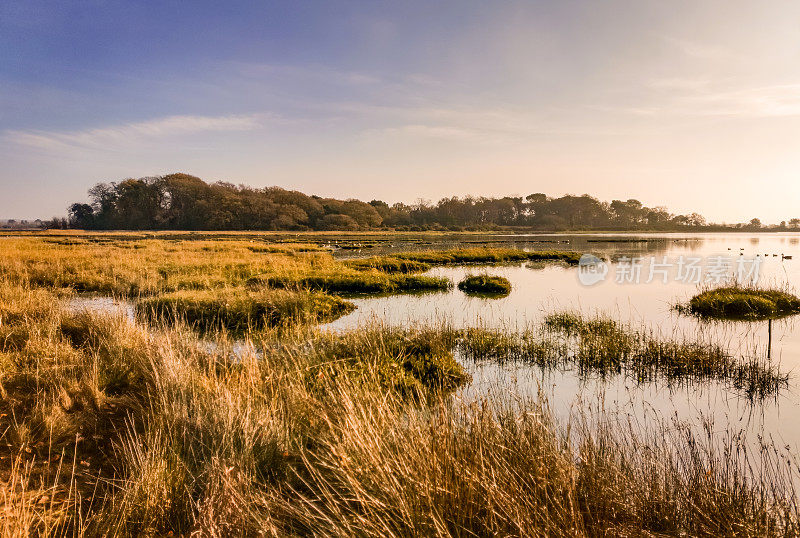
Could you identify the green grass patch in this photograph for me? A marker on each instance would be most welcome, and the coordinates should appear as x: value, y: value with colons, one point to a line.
x: 238, y: 310
x: 485, y: 285
x: 736, y: 302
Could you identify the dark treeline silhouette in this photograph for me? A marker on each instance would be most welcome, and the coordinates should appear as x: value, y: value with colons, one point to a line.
x: 185, y: 202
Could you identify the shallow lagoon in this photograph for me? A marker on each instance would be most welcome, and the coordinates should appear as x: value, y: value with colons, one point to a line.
x: 539, y: 289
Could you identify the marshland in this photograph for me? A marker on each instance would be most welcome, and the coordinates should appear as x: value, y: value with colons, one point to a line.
x: 301, y: 384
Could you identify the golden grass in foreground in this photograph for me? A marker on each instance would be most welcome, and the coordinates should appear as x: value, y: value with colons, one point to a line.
x: 110, y: 428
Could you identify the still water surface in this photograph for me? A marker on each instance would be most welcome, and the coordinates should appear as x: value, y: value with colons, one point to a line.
x: 539, y: 289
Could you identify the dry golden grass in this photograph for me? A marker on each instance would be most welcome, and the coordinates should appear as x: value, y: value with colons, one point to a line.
x: 113, y: 427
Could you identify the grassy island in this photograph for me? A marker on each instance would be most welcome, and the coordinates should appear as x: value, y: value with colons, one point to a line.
x: 485, y: 284
x: 738, y: 302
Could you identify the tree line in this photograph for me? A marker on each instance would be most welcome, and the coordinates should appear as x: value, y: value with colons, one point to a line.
x: 185, y: 202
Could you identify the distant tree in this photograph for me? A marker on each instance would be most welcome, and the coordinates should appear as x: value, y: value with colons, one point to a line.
x: 81, y: 216
x: 695, y: 219
x: 536, y: 198
x: 184, y: 202
x: 755, y: 223
x: 338, y: 222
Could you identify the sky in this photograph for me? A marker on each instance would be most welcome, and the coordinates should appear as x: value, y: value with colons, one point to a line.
x: 693, y: 105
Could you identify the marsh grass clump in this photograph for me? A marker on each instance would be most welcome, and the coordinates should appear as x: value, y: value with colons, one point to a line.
x: 601, y: 346
x: 485, y: 285
x: 286, y: 248
x: 240, y: 311
x: 480, y: 343
x: 358, y: 283
x: 462, y: 256
x: 488, y: 470
x: 741, y: 302
x: 388, y: 264
x: 412, y: 362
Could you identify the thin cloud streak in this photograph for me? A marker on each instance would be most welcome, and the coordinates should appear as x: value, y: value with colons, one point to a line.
x: 143, y: 131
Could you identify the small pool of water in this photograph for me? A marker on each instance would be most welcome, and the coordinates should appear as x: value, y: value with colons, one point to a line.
x: 102, y: 305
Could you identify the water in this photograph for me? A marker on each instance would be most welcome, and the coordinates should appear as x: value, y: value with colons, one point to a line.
x: 99, y: 304
x: 539, y: 289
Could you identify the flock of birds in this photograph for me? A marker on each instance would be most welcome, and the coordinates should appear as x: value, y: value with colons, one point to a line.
x: 783, y: 256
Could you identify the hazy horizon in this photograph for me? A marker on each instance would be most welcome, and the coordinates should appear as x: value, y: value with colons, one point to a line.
x: 690, y: 105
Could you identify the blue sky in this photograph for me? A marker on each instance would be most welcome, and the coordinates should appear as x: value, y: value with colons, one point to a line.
x: 690, y: 104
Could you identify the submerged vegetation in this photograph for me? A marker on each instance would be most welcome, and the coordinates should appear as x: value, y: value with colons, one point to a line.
x: 603, y: 346
x: 738, y: 302
x: 485, y: 284
x: 115, y: 427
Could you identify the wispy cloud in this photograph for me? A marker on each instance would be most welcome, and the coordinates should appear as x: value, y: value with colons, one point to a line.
x: 150, y: 130
x: 699, y: 97
x: 765, y: 101
x: 702, y: 51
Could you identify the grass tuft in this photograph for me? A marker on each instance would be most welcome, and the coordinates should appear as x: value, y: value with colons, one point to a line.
x: 485, y: 285
x: 388, y: 264
x: 358, y: 283
x: 462, y: 256
x: 240, y: 311
x: 738, y: 302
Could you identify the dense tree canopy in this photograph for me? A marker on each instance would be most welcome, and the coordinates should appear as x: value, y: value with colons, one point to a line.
x: 185, y: 202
